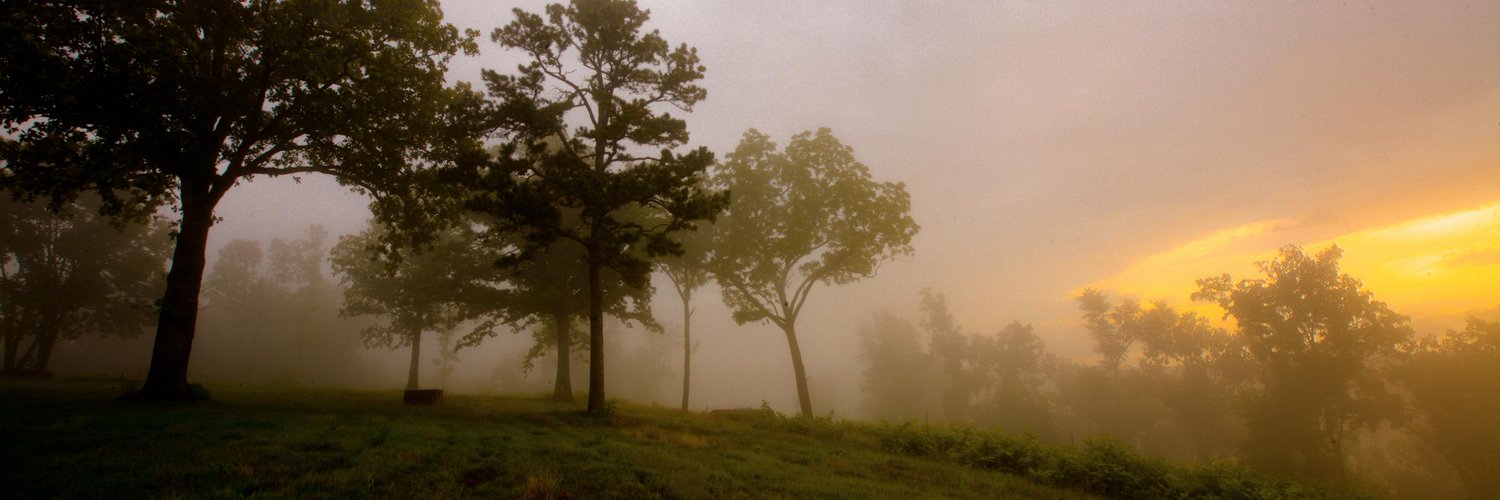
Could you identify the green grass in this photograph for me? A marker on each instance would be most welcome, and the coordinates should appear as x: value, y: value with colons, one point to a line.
x: 77, y: 439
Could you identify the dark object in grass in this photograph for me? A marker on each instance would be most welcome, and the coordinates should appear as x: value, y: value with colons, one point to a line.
x: 423, y: 397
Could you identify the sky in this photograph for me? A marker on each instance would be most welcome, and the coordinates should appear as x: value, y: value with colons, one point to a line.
x: 1051, y: 146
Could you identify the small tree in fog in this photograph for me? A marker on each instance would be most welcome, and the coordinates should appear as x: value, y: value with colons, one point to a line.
x: 69, y: 273
x: 547, y: 294
x: 689, y: 272
x: 899, y: 375
x: 808, y: 215
x: 590, y: 140
x: 950, y: 350
x: 422, y: 291
x: 1008, y: 371
x: 1319, y: 340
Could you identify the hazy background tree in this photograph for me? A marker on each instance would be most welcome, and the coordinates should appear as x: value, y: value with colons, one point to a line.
x: 238, y: 288
x: 1008, y: 372
x: 1176, y: 398
x: 591, y: 64
x: 547, y: 294
x: 273, y: 314
x: 807, y: 215
x: 71, y: 273
x: 414, y: 292
x: 1320, y: 342
x: 900, y: 379
x: 173, y: 103
x: 296, y: 266
x: 1453, y: 390
x: 949, y: 348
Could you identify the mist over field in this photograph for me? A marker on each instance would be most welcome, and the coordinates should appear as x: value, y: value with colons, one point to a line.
x: 1264, y: 234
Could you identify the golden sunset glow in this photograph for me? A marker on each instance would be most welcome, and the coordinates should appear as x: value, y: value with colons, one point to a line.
x: 1438, y: 265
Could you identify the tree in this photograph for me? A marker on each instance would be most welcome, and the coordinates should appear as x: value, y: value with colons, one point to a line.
x: 237, y: 288
x: 1006, y: 373
x: 547, y: 293
x: 1452, y: 385
x: 805, y: 216
x: 1318, y: 339
x: 70, y: 273
x: 1109, y: 326
x: 167, y: 102
x: 415, y: 292
x: 688, y: 272
x: 271, y: 314
x: 1186, y: 373
x: 591, y: 64
x: 950, y: 349
x: 898, y: 375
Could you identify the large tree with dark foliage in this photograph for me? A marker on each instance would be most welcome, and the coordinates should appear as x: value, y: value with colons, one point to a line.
x: 808, y: 215
x: 173, y: 102
x: 589, y: 143
x: 68, y: 273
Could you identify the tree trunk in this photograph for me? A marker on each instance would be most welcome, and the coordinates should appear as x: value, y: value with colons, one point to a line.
x: 12, y: 346
x: 562, y: 390
x: 802, y: 395
x: 596, y: 325
x: 167, y: 378
x: 44, y: 353
x: 25, y: 363
x: 687, y: 346
x: 416, y: 359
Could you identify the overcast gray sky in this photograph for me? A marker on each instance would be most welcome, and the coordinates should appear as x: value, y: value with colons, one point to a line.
x: 1048, y: 145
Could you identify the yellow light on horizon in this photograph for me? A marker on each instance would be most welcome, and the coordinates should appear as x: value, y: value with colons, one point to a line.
x: 1438, y: 265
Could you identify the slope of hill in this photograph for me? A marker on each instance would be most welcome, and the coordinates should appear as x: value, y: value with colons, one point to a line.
x: 75, y: 439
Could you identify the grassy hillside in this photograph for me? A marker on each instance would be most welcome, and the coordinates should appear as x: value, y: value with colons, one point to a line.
x: 76, y: 439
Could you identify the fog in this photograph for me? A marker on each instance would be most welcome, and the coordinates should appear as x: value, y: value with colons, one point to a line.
x: 1048, y: 148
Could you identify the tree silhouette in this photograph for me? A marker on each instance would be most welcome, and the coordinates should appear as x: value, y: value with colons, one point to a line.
x: 591, y: 64
x: 71, y: 273
x: 1318, y: 339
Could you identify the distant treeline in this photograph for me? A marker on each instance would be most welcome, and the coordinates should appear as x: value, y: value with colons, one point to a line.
x: 1315, y: 379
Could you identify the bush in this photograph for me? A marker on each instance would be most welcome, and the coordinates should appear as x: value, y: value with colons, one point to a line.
x: 1104, y: 466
